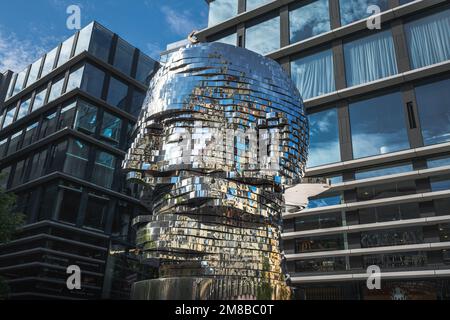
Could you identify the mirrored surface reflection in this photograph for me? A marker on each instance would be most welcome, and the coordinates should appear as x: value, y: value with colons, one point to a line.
x: 372, y: 132
x: 221, y: 133
x: 433, y: 101
x: 253, y: 4
x: 324, y: 138
x: 309, y: 19
x: 263, y: 37
x: 221, y: 10
x: 354, y: 10
x: 230, y: 39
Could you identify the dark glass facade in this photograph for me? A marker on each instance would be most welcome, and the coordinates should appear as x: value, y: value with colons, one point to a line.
x: 377, y: 102
x: 65, y: 123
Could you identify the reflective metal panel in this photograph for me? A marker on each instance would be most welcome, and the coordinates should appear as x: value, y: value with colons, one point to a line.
x: 222, y: 131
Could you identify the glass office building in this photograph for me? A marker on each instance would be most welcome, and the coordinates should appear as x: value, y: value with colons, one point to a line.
x: 65, y: 124
x: 379, y: 110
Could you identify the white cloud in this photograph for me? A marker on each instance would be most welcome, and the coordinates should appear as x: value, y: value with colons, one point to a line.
x: 153, y: 50
x: 15, y: 53
x: 179, y: 22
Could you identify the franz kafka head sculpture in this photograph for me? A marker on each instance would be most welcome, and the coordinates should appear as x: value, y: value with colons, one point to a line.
x: 222, y: 131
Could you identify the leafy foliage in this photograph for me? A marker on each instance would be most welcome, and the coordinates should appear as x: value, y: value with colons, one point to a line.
x: 9, y: 221
x: 265, y: 290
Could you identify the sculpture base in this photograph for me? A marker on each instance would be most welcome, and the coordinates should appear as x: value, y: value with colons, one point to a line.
x: 190, y: 288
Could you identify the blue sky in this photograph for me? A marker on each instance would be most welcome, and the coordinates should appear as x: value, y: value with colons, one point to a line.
x: 28, y: 28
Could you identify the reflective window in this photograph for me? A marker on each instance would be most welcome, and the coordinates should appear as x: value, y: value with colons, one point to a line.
x: 314, y: 74
x: 130, y: 130
x: 14, y: 143
x: 137, y: 102
x: 4, y: 174
x: 76, y: 158
x: 3, y: 147
x: 322, y: 243
x: 324, y: 138
x: 84, y: 38
x: 39, y: 99
x: 67, y: 116
x: 9, y: 117
x: 111, y: 126
x: 104, y: 167
x: 391, y: 237
x: 440, y: 183
x: 75, y: 78
x: 30, y: 134
x: 123, y: 59
x: 325, y: 200
x: 57, y: 156
x: 145, y: 69
x: 19, y: 173
x: 335, y: 179
x: 96, y: 212
x: 328, y: 264
x: 48, y: 202
x: 383, y: 171
x: 373, y: 132
x: 20, y: 82
x: 382, y: 191
x: 441, y: 206
x: 66, y: 51
x: 101, y: 42
x: 24, y: 108
x: 322, y: 221
x: 93, y: 81
x: 56, y: 89
x: 253, y: 4
x: 370, y: 58
x: 263, y: 37
x: 354, y: 10
x: 433, y: 101
x: 396, y: 260
x: 34, y: 72
x: 70, y: 205
x: 11, y: 86
x: 221, y: 10
x: 428, y: 39
x: 38, y: 165
x: 438, y: 162
x: 48, y: 125
x: 444, y: 235
x: 309, y: 19
x: 86, y: 118
x: 49, y: 62
x: 122, y: 219
x: 117, y: 93
x: 230, y: 39
x: 389, y: 213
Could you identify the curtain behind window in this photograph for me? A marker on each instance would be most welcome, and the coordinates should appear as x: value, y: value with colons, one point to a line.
x: 370, y: 58
x: 429, y: 39
x: 314, y: 74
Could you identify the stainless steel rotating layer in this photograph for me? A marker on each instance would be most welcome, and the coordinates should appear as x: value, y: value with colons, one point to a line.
x: 221, y: 133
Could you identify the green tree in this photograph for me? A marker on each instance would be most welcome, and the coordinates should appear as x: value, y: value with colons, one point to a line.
x: 265, y: 290
x: 9, y: 221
